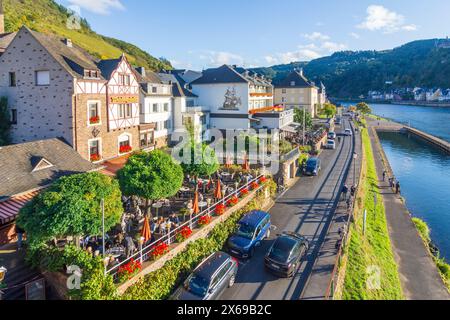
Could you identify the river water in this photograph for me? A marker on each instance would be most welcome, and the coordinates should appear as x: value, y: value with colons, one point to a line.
x: 422, y: 169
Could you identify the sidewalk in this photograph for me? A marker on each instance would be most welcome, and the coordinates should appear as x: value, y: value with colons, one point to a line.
x: 418, y: 273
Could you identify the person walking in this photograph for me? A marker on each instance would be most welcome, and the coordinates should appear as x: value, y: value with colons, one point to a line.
x: 384, y: 175
x: 20, y: 232
x: 397, y: 187
x: 345, y: 191
x: 353, y: 191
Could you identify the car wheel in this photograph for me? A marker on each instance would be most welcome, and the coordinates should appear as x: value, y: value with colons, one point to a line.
x: 232, y: 281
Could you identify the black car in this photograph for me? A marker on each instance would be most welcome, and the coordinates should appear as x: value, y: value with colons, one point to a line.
x: 210, y: 279
x: 312, y: 167
x: 286, y: 253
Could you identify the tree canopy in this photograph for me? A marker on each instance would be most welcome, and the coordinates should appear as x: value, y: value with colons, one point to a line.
x: 364, y: 108
x: 300, y: 115
x: 203, y: 161
x: 152, y: 176
x: 329, y: 110
x: 72, y: 207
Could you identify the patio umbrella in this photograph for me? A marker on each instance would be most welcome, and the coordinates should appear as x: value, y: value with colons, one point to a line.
x: 218, y: 190
x: 195, y: 206
x: 228, y: 162
x: 246, y: 165
x: 145, y: 232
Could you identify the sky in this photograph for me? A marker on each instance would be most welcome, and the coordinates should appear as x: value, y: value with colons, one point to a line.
x: 199, y: 34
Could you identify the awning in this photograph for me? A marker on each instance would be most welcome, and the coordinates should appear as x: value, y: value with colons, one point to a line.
x: 9, y: 209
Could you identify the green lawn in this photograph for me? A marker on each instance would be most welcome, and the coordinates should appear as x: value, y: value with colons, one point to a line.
x: 371, y: 254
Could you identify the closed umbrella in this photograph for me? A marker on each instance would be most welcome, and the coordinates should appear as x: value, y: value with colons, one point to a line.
x: 228, y: 162
x: 195, y: 207
x: 246, y: 165
x: 145, y: 232
x: 218, y: 190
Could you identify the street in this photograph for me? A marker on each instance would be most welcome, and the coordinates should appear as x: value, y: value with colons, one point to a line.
x: 306, y: 208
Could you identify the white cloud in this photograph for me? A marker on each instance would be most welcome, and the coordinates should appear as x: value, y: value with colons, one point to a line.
x: 218, y: 58
x: 316, y: 36
x: 98, y: 6
x: 354, y: 35
x: 333, y: 47
x: 381, y: 18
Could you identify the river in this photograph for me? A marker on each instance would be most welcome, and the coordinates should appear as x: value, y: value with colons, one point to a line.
x: 423, y: 170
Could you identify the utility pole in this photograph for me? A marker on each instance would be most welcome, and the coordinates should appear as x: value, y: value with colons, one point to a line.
x: 102, y: 203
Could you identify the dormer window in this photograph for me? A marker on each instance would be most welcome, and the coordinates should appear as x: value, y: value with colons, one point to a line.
x: 41, y: 164
x: 292, y: 83
x: 91, y: 74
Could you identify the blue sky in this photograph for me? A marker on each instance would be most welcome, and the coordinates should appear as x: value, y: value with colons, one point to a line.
x: 204, y: 33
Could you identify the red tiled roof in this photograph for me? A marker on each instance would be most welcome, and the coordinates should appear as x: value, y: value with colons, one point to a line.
x: 9, y: 209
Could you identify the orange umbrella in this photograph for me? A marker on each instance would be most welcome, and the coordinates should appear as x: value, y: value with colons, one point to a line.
x: 228, y: 163
x: 195, y: 206
x: 246, y: 165
x: 218, y: 191
x: 145, y: 233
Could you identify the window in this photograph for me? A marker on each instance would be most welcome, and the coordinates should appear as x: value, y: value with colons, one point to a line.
x: 146, y: 139
x: 129, y: 109
x: 154, y: 89
x: 12, y: 79
x: 94, y: 149
x: 166, y: 107
x: 167, y: 124
x: 42, y: 78
x: 121, y: 111
x: 283, y: 90
x: 94, y: 116
x: 13, y: 116
x: 125, y: 144
x: 124, y: 79
x: 155, y: 107
x: 141, y: 108
x: 187, y: 120
x: 292, y: 83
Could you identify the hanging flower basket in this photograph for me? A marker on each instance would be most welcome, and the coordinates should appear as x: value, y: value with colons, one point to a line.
x: 184, y: 233
x: 160, y: 250
x: 129, y: 270
x: 95, y: 157
x: 220, y: 209
x: 125, y: 149
x: 94, y: 120
x: 233, y: 201
x: 204, y: 220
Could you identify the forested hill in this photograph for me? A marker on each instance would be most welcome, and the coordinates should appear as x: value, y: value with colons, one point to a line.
x: 49, y: 17
x: 348, y: 74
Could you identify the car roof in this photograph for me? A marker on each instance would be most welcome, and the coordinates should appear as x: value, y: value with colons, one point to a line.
x: 285, y: 242
x: 310, y: 160
x: 209, y: 267
x: 253, y: 218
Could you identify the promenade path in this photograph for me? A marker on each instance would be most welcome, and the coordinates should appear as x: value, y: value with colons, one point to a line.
x: 418, y: 273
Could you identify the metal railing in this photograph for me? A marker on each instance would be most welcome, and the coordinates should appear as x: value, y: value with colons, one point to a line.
x: 145, y: 253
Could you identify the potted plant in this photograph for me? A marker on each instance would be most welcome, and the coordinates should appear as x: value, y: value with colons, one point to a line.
x: 94, y: 120
x: 255, y: 185
x: 220, y: 209
x: 243, y: 193
x: 233, y: 201
x: 129, y: 270
x: 204, y: 220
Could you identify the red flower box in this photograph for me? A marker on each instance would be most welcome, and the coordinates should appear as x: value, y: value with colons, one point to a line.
x: 263, y: 180
x: 95, y: 157
x: 244, y: 192
x: 255, y: 185
x: 94, y: 120
x: 204, y: 220
x: 220, y: 209
x: 129, y: 270
x: 160, y: 250
x: 233, y: 201
x: 183, y: 234
x: 125, y: 149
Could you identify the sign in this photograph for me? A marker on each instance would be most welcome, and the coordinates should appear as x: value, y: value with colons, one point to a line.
x: 267, y: 109
x: 35, y: 290
x: 124, y: 99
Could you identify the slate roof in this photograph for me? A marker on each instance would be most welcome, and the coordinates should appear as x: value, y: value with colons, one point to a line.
x: 5, y: 40
x: 223, y: 74
x: 108, y: 66
x: 17, y: 163
x: 150, y: 77
x: 178, y: 85
x: 300, y: 81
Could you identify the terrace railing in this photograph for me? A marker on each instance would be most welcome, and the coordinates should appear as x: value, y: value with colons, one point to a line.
x: 145, y: 253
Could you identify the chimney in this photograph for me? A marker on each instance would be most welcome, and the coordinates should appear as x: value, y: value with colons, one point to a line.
x: 68, y: 42
x: 141, y: 71
x: 300, y: 71
x: 2, y: 18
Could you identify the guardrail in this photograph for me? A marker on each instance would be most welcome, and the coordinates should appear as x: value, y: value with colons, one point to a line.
x: 145, y: 253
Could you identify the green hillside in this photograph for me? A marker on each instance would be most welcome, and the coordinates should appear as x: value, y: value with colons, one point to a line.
x: 49, y: 17
x: 350, y: 74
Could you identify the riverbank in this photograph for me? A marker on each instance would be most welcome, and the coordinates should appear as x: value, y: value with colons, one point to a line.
x: 420, y: 277
x: 404, y: 103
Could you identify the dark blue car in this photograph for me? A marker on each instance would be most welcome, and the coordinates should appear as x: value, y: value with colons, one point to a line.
x: 312, y: 167
x: 253, y: 228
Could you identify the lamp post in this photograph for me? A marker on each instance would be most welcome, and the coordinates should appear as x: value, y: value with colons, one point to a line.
x: 3, y: 271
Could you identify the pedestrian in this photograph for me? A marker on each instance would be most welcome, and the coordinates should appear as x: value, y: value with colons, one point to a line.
x: 391, y: 182
x: 19, y: 232
x: 384, y: 175
x: 130, y: 247
x: 397, y: 187
x: 345, y: 191
x: 353, y: 191
x: 349, y: 203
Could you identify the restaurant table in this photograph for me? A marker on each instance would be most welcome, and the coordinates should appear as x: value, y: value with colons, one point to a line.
x: 157, y: 206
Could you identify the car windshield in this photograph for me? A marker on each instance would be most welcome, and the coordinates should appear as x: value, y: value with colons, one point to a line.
x: 197, y: 285
x: 281, y: 249
x: 245, y: 231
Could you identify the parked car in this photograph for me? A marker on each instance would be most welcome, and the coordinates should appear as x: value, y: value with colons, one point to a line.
x: 348, y: 132
x: 253, y: 228
x: 312, y: 167
x: 210, y: 279
x: 286, y: 253
x: 332, y: 135
x: 338, y: 121
x: 331, y: 144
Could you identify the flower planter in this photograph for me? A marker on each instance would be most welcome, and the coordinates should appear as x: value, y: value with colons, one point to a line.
x: 125, y: 149
x: 129, y: 270
x: 243, y: 193
x: 220, y: 209
x: 94, y: 120
x: 183, y: 234
x: 95, y: 157
x: 254, y: 185
x: 233, y: 201
x: 160, y: 250
x: 204, y: 221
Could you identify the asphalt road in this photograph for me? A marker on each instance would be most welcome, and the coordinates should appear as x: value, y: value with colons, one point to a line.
x: 307, y: 208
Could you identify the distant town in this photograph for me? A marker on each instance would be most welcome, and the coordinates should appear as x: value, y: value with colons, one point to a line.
x: 417, y: 94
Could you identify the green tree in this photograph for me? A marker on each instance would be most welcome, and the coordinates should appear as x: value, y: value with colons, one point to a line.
x: 300, y: 115
x: 329, y: 110
x: 5, y: 123
x: 72, y: 207
x: 152, y: 176
x: 203, y: 161
x: 363, y: 108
